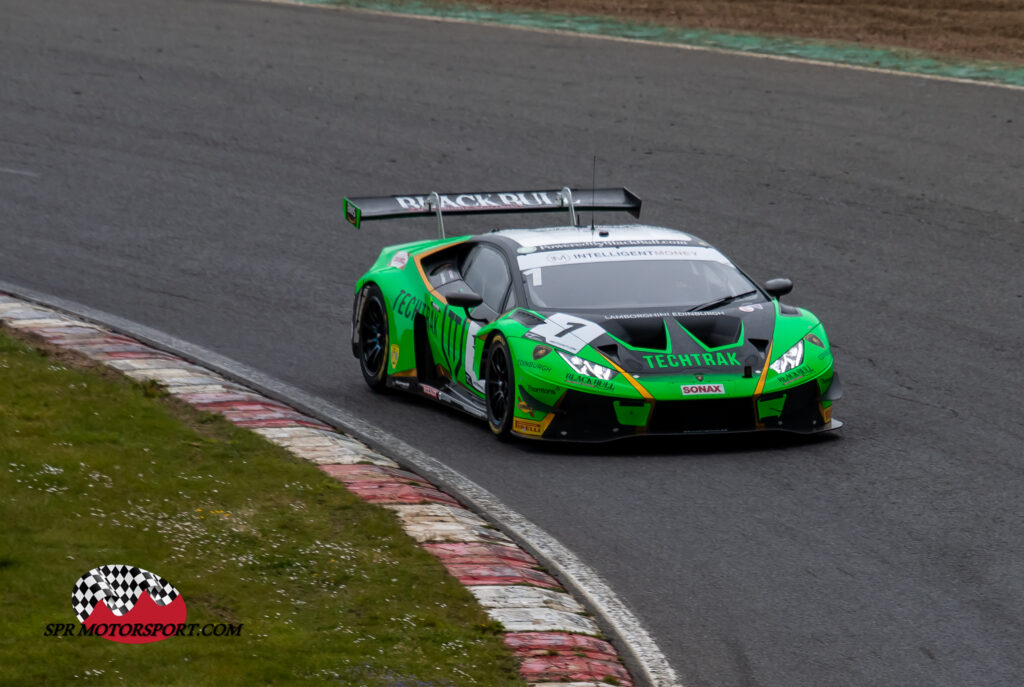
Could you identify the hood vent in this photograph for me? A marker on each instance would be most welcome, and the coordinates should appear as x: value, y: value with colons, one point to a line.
x: 645, y: 333
x: 760, y: 344
x: 712, y: 330
x: 526, y: 318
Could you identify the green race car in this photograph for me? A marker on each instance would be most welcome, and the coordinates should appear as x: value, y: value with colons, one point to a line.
x: 585, y: 333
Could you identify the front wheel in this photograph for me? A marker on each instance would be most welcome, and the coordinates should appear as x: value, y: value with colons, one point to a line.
x: 499, y: 388
x: 372, y: 347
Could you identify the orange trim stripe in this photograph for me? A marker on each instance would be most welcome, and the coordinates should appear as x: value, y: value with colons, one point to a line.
x: 764, y: 372
x: 418, y: 259
x: 629, y: 378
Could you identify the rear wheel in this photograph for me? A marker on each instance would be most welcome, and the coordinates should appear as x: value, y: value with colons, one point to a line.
x: 499, y: 388
x: 373, y: 338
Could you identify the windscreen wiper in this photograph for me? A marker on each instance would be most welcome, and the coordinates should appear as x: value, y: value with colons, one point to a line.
x: 719, y: 302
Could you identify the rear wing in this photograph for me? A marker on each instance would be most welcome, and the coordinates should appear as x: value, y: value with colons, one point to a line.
x: 574, y: 200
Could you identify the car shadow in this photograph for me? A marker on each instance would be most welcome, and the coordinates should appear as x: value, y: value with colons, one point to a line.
x: 693, y: 445
x: 682, y: 445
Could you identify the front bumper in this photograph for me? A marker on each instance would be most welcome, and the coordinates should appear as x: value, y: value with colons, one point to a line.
x: 579, y: 416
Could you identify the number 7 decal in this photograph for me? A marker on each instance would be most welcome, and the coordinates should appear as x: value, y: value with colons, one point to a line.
x: 568, y: 332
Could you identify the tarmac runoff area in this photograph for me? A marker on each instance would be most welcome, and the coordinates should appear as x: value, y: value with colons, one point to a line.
x: 555, y: 640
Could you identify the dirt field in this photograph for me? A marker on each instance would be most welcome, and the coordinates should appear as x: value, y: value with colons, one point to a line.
x: 976, y: 29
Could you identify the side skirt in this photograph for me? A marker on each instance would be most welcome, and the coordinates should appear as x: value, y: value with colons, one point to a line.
x: 447, y: 393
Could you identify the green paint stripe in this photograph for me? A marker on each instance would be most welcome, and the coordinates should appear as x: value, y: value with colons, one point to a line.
x: 909, y: 61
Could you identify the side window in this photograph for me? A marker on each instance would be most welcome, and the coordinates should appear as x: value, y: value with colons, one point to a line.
x: 487, y: 274
x: 442, y: 274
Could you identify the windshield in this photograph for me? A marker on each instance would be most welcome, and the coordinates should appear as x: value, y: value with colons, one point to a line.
x: 685, y: 284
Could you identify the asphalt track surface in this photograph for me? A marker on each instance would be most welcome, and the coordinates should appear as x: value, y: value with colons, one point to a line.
x: 182, y: 164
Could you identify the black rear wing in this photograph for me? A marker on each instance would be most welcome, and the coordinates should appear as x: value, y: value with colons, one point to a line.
x: 574, y: 200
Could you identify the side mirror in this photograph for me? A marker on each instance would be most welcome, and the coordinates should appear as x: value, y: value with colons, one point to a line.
x: 464, y: 299
x: 777, y: 288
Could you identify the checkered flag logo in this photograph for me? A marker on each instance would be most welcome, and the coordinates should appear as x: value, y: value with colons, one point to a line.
x: 120, y: 586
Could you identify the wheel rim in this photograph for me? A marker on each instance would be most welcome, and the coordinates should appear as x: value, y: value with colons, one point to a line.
x: 498, y: 387
x: 373, y: 337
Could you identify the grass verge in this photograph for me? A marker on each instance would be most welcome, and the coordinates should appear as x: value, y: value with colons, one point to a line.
x: 328, y: 588
x: 970, y: 29
x: 921, y: 38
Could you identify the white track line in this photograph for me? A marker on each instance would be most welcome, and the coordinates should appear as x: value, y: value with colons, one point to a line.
x: 19, y: 172
x: 660, y: 44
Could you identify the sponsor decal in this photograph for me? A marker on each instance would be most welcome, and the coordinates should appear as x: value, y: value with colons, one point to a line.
x: 628, y: 243
x: 127, y: 605
x: 826, y: 413
x: 430, y: 391
x: 699, y: 313
x: 525, y: 408
x: 703, y: 389
x: 400, y: 383
x: 533, y: 429
x: 692, y: 360
x: 583, y: 380
x: 465, y: 201
x: 541, y: 390
x: 541, y: 351
x: 793, y: 375
x: 399, y: 260
x: 394, y: 355
x: 751, y: 308
x: 533, y: 365
x: 605, y: 254
x: 446, y: 326
x: 665, y: 313
x: 652, y: 252
x: 407, y: 305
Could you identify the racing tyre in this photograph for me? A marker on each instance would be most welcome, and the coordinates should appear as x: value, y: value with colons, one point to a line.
x: 500, y: 388
x: 372, y: 348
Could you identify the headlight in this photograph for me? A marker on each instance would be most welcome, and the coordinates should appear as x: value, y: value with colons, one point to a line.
x: 585, y: 367
x: 790, y: 359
